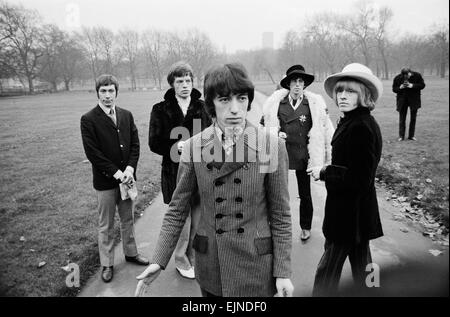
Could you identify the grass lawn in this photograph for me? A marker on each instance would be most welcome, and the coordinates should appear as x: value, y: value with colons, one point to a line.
x: 406, y: 166
x: 46, y: 193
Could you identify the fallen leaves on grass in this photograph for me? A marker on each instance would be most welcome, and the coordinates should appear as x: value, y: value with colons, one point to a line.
x: 41, y: 264
x: 435, y: 252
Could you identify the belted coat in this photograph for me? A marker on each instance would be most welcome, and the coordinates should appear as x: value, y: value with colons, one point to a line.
x: 244, y: 238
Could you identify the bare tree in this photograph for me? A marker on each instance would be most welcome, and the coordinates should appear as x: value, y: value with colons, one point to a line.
x: 439, y: 40
x: 385, y: 14
x: 322, y: 31
x: 20, y: 34
x: 71, y: 59
x: 129, y: 42
x: 199, y: 51
x: 154, y: 44
x: 289, y: 52
x: 52, y: 41
x: 91, y: 50
x: 361, y: 26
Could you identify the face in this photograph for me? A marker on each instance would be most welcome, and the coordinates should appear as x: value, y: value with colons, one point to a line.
x: 296, y: 87
x: 231, y: 111
x: 183, y: 86
x: 107, y: 95
x: 347, y: 99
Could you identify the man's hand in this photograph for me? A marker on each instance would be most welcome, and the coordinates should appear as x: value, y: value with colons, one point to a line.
x: 180, y: 145
x: 284, y: 287
x: 409, y: 85
x: 127, y: 177
x: 314, y: 172
x: 282, y: 135
x: 146, y: 278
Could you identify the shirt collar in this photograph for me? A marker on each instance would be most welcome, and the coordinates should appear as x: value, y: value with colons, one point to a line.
x: 106, y: 109
x: 299, y: 100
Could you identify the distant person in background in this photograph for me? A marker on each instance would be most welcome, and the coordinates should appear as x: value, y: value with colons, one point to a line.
x: 407, y: 85
x: 181, y: 107
x: 302, y: 119
x: 111, y: 142
x: 351, y: 217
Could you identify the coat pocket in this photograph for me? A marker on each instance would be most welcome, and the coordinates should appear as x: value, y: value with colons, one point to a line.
x: 264, y: 245
x: 200, y: 244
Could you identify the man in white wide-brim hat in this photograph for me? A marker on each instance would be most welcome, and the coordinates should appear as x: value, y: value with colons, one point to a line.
x: 351, y: 209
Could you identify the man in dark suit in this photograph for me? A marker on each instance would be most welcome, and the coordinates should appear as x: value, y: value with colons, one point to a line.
x: 111, y: 143
x: 407, y: 85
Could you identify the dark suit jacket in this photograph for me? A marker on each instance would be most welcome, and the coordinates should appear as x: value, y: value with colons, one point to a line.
x: 408, y: 97
x: 351, y: 208
x: 109, y: 147
x: 166, y: 116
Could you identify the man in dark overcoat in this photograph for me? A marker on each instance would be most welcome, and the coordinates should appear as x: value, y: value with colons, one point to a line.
x: 407, y: 85
x: 182, y: 111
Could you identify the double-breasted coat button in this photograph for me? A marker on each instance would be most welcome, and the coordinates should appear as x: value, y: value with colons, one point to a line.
x: 240, y: 230
x: 239, y: 215
x: 219, y: 231
x: 219, y: 200
x: 121, y: 145
x: 218, y: 183
x: 238, y: 199
x: 209, y: 166
x: 237, y: 180
x: 245, y: 166
x: 219, y: 216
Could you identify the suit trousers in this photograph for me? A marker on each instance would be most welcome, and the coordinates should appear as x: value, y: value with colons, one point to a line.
x: 306, y: 205
x: 412, y: 122
x: 108, y: 202
x: 184, y: 253
x: 329, y: 270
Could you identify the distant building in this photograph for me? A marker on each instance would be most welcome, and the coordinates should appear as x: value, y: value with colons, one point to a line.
x: 267, y: 40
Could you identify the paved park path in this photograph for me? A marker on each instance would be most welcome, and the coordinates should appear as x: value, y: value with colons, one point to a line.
x: 407, y: 268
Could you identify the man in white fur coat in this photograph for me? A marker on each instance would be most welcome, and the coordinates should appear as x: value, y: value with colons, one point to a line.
x: 302, y: 120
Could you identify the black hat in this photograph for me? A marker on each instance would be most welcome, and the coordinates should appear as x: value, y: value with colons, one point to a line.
x: 296, y: 71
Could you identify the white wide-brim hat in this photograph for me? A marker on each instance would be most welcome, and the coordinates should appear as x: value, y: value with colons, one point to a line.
x: 357, y: 72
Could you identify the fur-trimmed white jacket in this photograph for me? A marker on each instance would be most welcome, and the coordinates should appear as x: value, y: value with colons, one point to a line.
x: 321, y: 133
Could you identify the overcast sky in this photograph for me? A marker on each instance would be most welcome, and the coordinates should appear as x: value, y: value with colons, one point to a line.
x: 231, y: 24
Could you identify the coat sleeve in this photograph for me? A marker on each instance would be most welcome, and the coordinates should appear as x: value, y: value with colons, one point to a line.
x: 420, y: 84
x: 158, y: 138
x: 280, y: 217
x: 93, y: 152
x: 177, y: 212
x: 357, y: 176
x: 134, y: 144
x: 329, y: 131
x: 396, y: 84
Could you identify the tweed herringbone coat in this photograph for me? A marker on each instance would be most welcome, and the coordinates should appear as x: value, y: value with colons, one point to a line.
x: 244, y: 238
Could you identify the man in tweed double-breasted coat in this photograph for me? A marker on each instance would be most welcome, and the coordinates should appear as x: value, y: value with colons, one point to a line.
x: 244, y: 239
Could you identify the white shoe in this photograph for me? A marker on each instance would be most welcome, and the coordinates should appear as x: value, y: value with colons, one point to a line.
x: 190, y: 274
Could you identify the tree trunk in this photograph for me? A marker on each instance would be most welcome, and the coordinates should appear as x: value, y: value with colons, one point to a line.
x: 55, y: 86
x: 66, y: 83
x: 30, y: 84
x: 443, y: 64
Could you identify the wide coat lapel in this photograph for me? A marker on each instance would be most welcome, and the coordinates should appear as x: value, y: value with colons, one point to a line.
x: 103, y: 117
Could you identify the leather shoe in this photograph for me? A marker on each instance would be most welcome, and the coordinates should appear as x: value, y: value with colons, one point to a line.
x: 138, y: 259
x: 190, y: 274
x: 412, y: 139
x: 107, y: 274
x: 400, y: 139
x: 306, y: 234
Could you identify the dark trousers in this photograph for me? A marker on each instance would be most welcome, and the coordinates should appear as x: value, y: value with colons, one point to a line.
x: 329, y: 270
x: 306, y: 206
x: 412, y: 122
